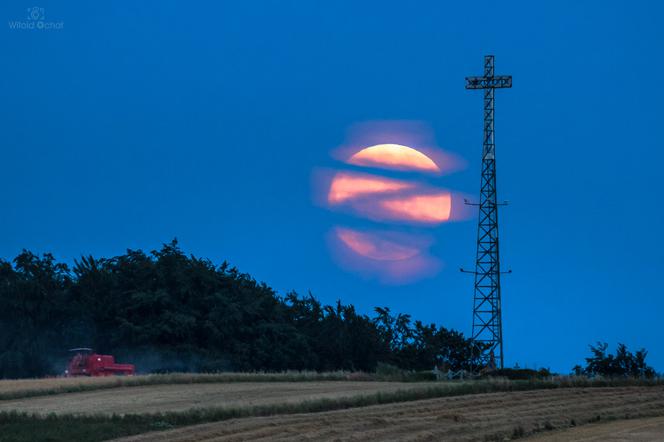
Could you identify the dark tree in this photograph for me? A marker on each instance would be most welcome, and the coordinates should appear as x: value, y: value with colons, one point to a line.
x: 623, y: 364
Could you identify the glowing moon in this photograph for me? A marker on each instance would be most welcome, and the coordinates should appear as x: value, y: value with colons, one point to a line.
x: 394, y: 156
x: 422, y: 208
x: 398, y: 254
x: 346, y: 186
x: 374, y: 247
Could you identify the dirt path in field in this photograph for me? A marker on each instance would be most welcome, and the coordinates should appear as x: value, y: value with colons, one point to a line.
x: 632, y: 430
x: 479, y: 417
x: 178, y: 397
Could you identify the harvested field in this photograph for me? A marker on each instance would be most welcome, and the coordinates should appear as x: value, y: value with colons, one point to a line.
x: 632, y: 430
x: 18, y: 386
x: 492, y: 416
x: 14, y: 389
x: 180, y: 397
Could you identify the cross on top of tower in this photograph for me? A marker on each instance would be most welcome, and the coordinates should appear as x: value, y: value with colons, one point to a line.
x: 489, y: 81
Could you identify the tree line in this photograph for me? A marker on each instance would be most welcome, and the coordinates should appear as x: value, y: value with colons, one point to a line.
x: 166, y: 311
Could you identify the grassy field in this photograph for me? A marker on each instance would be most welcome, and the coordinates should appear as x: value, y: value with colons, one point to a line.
x: 21, y: 388
x: 85, y: 409
x: 24, y: 388
x: 181, y: 397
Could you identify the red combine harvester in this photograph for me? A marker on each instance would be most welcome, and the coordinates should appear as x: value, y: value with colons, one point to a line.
x: 87, y: 363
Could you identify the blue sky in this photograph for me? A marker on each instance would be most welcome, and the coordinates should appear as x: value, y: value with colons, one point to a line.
x: 138, y: 122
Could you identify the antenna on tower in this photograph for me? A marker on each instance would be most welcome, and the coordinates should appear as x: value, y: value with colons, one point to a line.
x: 487, y: 333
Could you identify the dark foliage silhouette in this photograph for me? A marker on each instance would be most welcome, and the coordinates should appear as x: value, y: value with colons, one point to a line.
x: 167, y: 311
x: 623, y: 364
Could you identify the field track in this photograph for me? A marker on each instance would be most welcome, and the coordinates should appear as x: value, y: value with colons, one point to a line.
x: 180, y: 397
x: 478, y: 417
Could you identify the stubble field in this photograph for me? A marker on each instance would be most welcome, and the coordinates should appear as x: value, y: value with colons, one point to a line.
x: 238, y: 407
x: 162, y: 398
x: 481, y: 417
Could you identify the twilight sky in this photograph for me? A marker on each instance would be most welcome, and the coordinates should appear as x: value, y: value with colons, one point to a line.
x: 138, y: 122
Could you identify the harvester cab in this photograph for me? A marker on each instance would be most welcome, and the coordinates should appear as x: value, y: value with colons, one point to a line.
x: 78, y: 362
x: 85, y: 362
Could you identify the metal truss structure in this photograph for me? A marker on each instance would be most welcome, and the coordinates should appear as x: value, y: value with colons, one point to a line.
x: 487, y: 317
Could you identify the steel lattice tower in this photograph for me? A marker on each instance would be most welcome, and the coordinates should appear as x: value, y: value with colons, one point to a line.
x: 487, y: 321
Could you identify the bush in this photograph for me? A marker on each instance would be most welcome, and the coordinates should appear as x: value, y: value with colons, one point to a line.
x: 623, y: 364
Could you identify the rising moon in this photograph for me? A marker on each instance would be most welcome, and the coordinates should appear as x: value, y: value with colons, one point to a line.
x: 423, y: 208
x: 346, y: 186
x: 374, y: 246
x: 394, y: 156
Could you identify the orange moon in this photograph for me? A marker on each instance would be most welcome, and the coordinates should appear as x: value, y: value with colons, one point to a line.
x: 393, y: 254
x: 347, y: 186
x: 423, y: 208
x: 394, y: 156
x: 374, y: 247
